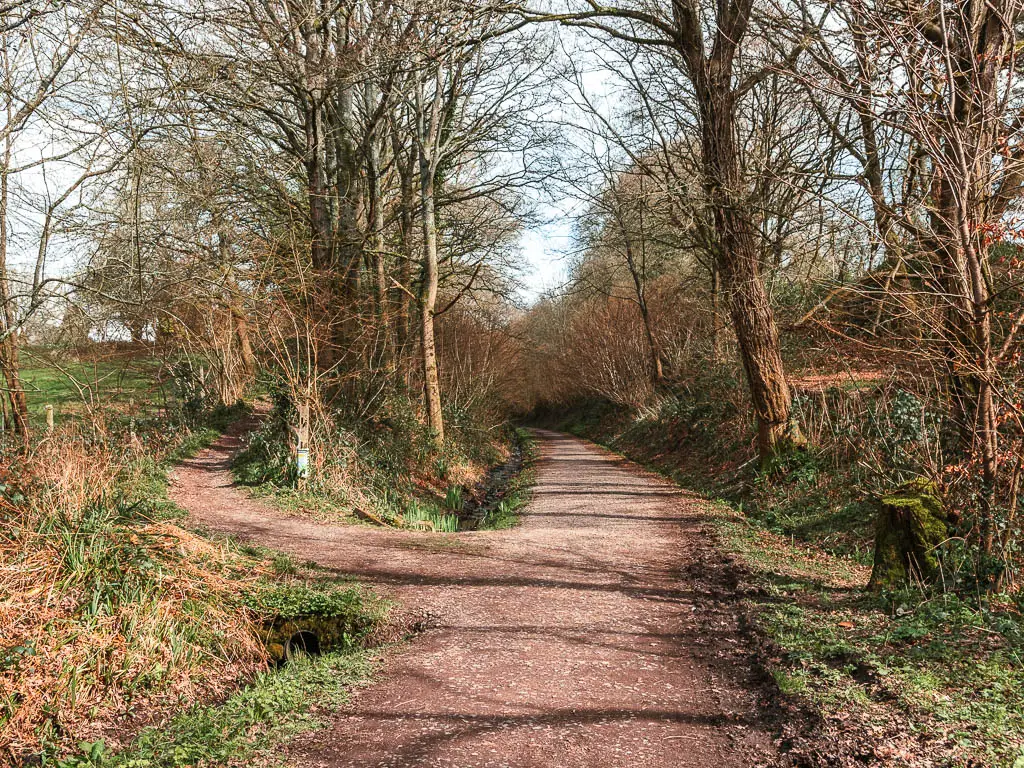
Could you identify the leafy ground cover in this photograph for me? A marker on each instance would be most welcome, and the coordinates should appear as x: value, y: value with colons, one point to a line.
x: 277, y: 702
x: 898, y: 679
x: 250, y: 727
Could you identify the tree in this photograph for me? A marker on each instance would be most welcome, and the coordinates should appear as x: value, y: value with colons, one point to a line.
x: 720, y: 76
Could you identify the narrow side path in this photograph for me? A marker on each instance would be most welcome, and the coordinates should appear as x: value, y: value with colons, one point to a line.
x: 595, y: 634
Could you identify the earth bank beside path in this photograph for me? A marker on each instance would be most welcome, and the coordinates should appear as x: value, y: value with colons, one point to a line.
x: 598, y: 633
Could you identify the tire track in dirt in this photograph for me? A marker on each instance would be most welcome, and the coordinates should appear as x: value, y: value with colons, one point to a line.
x: 598, y: 633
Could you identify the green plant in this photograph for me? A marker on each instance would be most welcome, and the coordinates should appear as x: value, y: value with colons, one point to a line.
x: 453, y: 498
x: 191, y: 390
x: 418, y: 515
x: 294, y: 599
x: 276, y: 705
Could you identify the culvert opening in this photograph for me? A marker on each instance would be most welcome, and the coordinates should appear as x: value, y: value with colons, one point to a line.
x: 302, y: 644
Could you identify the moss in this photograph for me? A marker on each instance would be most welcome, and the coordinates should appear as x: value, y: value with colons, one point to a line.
x: 911, y: 524
x: 327, y: 633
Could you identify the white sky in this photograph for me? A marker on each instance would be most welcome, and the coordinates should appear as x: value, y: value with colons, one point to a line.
x: 543, y: 251
x: 545, y: 248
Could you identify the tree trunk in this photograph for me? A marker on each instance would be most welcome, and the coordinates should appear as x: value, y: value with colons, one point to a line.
x: 977, y: 47
x: 657, y: 366
x: 319, y: 211
x: 716, y: 314
x: 404, y: 321
x: 740, y: 268
x: 8, y: 335
x: 376, y: 227
x: 653, y: 347
x: 428, y: 301
x: 245, y: 353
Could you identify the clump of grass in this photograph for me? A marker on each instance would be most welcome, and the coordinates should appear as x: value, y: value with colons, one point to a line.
x: 423, y: 516
x: 249, y: 726
x: 111, y: 609
x: 453, y: 498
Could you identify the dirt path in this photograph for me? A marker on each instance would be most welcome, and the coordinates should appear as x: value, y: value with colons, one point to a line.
x: 596, y: 634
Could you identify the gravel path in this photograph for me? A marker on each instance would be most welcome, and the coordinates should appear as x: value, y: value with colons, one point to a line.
x: 598, y: 633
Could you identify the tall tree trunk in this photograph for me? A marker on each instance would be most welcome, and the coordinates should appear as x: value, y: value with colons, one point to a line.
x: 977, y: 51
x: 8, y: 335
x: 716, y: 314
x: 349, y: 245
x: 244, y: 343
x: 654, y: 347
x: 739, y: 264
x: 428, y: 301
x: 376, y: 227
x: 404, y: 320
x: 321, y: 241
x: 236, y: 309
x: 638, y: 273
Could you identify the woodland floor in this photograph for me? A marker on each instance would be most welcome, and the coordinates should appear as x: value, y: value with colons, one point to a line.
x: 600, y: 632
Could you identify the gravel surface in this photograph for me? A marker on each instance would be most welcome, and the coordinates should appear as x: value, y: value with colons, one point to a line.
x: 600, y: 632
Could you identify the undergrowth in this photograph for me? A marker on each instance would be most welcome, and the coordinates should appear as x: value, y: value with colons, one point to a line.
x: 904, y: 678
x: 110, y: 611
x: 380, y: 465
x: 277, y: 704
x: 113, y: 615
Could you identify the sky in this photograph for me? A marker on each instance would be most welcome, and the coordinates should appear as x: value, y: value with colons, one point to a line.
x: 545, y: 248
x: 544, y: 251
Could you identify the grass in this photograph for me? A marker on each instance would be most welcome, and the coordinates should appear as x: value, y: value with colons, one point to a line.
x: 110, y: 613
x: 938, y: 675
x: 251, y: 725
x: 278, y: 702
x: 115, y: 616
x: 419, y: 516
x: 117, y: 612
x: 74, y: 387
x: 383, y: 470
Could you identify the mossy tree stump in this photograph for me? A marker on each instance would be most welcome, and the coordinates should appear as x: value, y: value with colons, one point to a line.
x: 911, y: 524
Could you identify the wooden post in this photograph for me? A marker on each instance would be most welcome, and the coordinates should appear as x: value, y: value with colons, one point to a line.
x: 49, y: 418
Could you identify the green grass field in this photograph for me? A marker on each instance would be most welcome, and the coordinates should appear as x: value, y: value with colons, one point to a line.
x: 76, y: 388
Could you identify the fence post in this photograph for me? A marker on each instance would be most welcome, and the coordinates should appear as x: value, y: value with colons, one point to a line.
x: 49, y: 418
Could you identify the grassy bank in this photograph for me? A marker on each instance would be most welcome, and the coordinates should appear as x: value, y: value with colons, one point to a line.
x: 916, y: 678
x: 276, y: 703
x: 385, y: 469
x: 116, y: 617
